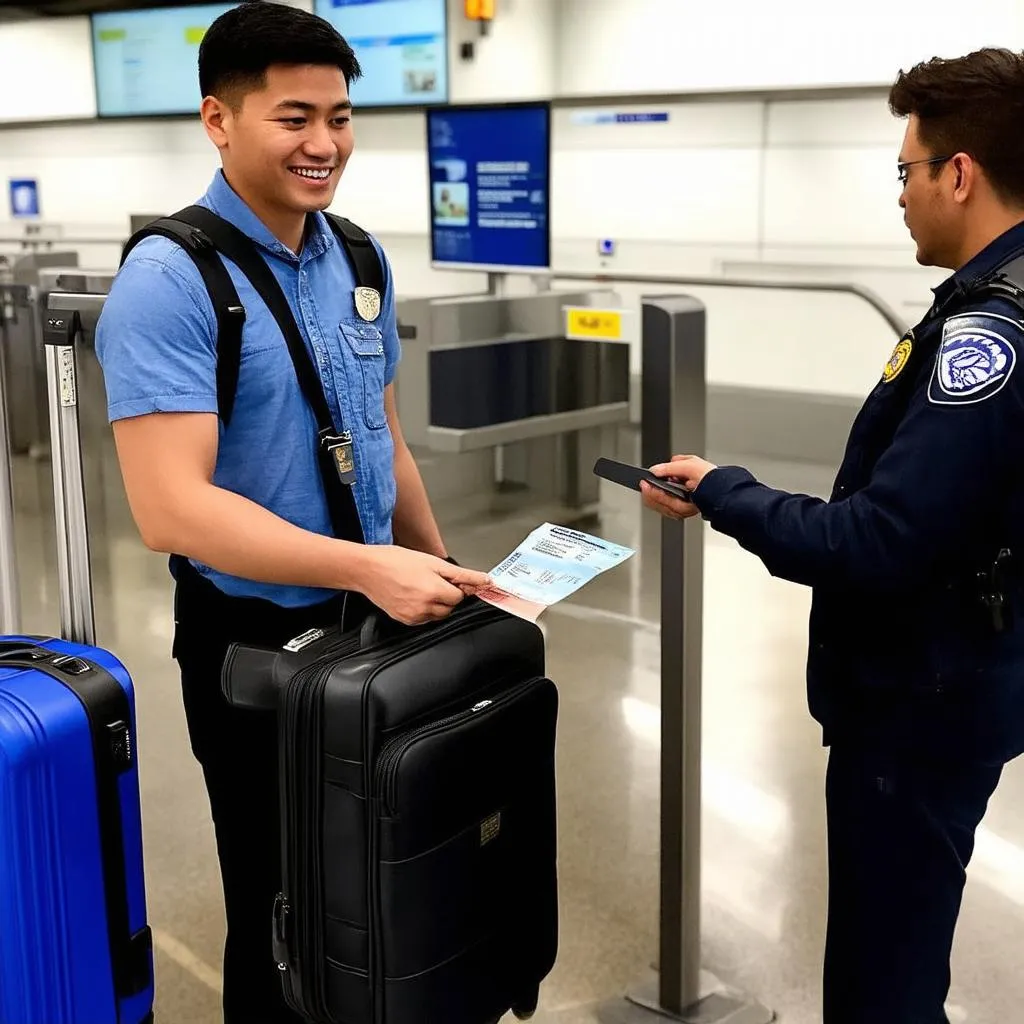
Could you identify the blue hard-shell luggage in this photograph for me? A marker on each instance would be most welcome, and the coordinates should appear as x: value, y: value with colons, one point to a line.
x: 74, y: 944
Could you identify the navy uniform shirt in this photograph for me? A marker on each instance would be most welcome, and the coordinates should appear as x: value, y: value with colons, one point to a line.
x: 156, y: 341
x: 902, y: 648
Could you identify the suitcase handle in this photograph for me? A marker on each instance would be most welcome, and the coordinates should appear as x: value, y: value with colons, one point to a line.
x: 376, y: 626
x: 379, y: 627
x: 254, y: 677
x: 16, y: 648
x: 62, y: 331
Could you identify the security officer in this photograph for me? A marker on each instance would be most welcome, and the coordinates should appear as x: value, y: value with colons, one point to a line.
x: 916, y: 662
x: 243, y: 506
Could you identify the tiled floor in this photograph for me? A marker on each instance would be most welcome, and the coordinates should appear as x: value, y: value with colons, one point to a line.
x: 763, y: 864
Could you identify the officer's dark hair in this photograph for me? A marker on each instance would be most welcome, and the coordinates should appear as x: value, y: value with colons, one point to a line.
x: 972, y: 105
x: 244, y: 42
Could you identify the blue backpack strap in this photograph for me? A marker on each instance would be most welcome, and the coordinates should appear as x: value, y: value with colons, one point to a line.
x: 182, y: 228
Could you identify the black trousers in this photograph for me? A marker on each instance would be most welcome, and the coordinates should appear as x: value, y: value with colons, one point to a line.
x: 237, y: 750
x: 900, y: 836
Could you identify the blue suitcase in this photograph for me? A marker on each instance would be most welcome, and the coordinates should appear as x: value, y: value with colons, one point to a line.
x: 74, y: 944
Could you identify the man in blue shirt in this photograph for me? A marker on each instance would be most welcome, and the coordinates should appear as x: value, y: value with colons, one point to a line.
x: 916, y: 662
x: 242, y: 507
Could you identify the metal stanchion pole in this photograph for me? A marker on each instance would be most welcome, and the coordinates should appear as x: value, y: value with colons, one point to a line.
x: 674, y: 422
x: 10, y: 604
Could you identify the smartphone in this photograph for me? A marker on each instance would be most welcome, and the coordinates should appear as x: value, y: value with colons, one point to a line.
x: 630, y: 476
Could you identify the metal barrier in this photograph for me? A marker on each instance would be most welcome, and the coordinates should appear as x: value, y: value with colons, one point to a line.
x: 674, y: 420
x: 891, y: 317
x: 496, y: 396
x: 21, y: 293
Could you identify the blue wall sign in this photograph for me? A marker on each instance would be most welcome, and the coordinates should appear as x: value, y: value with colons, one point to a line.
x: 24, y: 194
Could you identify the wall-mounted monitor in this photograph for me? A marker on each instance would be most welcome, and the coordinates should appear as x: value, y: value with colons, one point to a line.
x: 147, y: 61
x: 490, y: 186
x: 402, y: 46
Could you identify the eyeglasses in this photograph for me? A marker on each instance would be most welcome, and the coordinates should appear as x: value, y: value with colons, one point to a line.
x: 901, y: 169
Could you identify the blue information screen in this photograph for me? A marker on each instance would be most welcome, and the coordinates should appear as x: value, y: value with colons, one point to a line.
x: 402, y: 46
x: 490, y: 185
x: 147, y: 62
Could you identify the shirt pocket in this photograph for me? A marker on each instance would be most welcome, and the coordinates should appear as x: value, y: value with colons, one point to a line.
x: 367, y: 345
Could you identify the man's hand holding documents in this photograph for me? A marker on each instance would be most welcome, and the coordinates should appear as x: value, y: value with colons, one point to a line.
x: 552, y: 563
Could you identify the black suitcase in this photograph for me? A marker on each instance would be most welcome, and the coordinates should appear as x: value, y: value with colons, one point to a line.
x: 418, y: 814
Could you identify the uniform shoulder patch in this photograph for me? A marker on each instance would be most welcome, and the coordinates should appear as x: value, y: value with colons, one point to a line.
x: 898, y: 359
x: 975, y: 359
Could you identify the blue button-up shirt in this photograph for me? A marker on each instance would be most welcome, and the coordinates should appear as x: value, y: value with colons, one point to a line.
x: 156, y: 341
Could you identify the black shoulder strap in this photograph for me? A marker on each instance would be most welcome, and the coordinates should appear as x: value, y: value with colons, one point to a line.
x: 227, y: 307
x: 206, y: 229
x: 362, y: 253
x: 1007, y: 282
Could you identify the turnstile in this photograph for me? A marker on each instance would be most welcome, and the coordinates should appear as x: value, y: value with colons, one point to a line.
x: 21, y: 298
x: 493, y: 396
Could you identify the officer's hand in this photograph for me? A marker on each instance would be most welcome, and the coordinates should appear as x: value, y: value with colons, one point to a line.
x: 414, y: 588
x: 688, y: 470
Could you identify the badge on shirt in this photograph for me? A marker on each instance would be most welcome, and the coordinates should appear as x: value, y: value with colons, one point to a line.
x: 898, y: 359
x: 974, y: 361
x: 367, y: 303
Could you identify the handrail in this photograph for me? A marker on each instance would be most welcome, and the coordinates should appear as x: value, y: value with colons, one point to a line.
x: 891, y: 317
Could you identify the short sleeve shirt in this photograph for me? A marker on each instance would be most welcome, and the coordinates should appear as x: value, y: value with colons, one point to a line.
x: 157, y: 344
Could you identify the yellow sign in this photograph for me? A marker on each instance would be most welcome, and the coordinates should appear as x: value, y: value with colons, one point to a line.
x: 898, y: 359
x: 601, y: 324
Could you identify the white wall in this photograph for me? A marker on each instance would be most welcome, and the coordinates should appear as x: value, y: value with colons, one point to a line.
x: 652, y: 46
x: 515, y: 60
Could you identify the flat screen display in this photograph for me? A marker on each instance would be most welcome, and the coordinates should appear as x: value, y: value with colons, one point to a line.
x: 490, y: 170
x: 402, y: 46
x: 147, y: 62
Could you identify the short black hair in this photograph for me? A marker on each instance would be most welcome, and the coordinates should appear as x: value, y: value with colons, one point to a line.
x: 244, y: 42
x: 972, y: 104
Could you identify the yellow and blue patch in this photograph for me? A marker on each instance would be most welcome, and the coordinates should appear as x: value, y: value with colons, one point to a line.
x: 899, y: 358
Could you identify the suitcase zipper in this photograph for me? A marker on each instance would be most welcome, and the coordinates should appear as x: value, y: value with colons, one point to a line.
x: 391, y: 754
x: 298, y: 920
